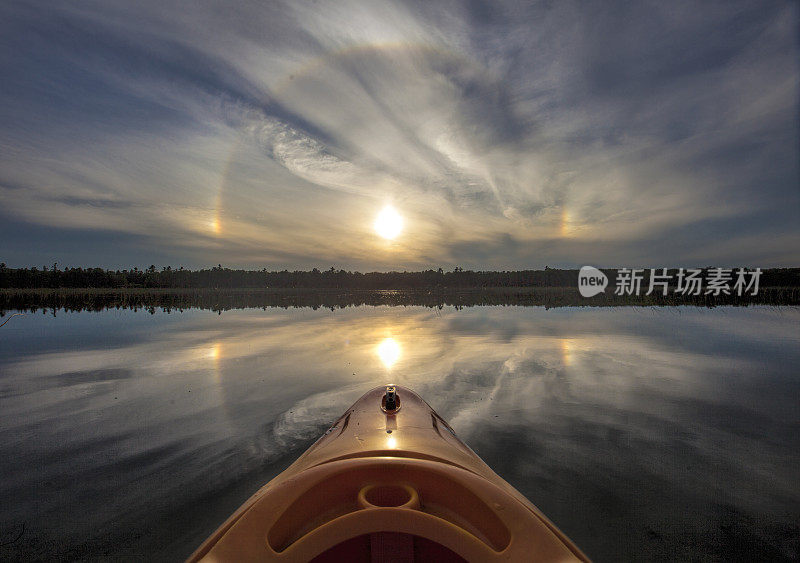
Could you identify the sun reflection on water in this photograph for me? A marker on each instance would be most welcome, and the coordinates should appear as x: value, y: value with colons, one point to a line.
x: 214, y: 351
x: 566, y: 352
x: 389, y: 351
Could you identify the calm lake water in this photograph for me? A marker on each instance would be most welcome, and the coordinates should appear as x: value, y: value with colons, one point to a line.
x: 644, y: 434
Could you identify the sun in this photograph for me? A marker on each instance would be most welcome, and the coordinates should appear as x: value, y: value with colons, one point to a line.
x: 388, y: 223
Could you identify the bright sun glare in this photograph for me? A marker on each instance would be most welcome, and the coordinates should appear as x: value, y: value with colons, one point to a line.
x: 388, y: 223
x: 389, y: 351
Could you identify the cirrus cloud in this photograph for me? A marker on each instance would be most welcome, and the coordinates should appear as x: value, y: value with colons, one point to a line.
x: 511, y: 135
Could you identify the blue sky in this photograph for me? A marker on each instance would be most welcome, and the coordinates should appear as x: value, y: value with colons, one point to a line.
x: 506, y: 135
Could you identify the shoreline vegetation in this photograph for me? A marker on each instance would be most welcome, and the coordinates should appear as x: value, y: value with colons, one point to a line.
x: 219, y: 277
x: 220, y: 289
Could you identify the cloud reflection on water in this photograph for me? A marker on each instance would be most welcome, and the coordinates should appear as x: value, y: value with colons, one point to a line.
x: 615, y: 422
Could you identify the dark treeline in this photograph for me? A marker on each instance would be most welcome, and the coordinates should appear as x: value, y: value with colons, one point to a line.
x: 218, y: 300
x: 219, y: 277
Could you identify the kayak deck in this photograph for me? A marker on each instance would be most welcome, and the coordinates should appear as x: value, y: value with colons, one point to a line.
x: 389, y: 481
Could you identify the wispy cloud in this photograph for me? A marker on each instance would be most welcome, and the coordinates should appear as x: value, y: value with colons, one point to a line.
x: 509, y: 135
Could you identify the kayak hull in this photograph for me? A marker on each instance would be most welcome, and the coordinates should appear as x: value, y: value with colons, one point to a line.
x: 390, y: 484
